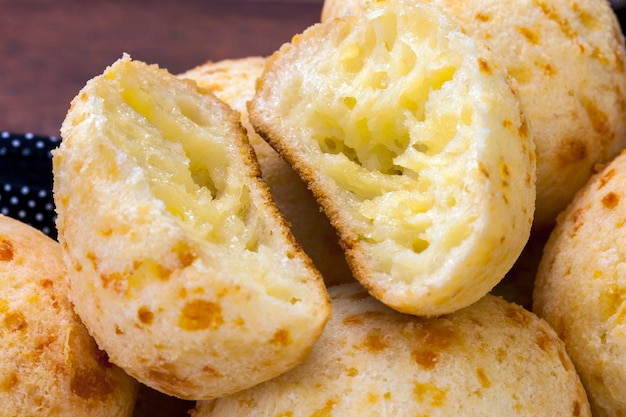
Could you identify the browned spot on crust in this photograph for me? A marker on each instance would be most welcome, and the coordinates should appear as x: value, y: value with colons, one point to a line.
x: 374, y: 341
x: 553, y: 15
x: 436, y: 339
x: 46, y: 283
x: 9, y: 382
x: 162, y: 272
x: 186, y: 255
x: 548, y: 70
x: 572, y: 150
x: 517, y: 316
x: 43, y: 344
x: 94, y: 261
x: 429, y: 393
x: 577, y: 220
x: 167, y: 378
x: 281, y: 337
x: 355, y: 319
x: 543, y: 340
x: 6, y: 250
x: 482, y: 378
x: 606, y: 177
x: 598, y: 119
x: 212, y: 371
x: 610, y: 200
x: 15, y: 321
x: 483, y: 17
x: 116, y: 281
x: 325, y: 411
x: 200, y: 315
x: 483, y: 169
x: 145, y: 315
x: 484, y: 66
x: 530, y: 35
x: 425, y: 358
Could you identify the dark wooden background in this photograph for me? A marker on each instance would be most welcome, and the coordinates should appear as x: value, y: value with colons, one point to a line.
x: 49, y: 48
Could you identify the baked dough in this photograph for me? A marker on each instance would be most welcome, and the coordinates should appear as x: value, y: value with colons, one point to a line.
x: 490, y: 359
x: 234, y: 81
x: 49, y: 365
x: 581, y: 286
x: 179, y: 262
x: 414, y: 143
x: 568, y: 60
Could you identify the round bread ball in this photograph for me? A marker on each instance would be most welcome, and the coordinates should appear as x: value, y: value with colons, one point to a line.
x: 233, y: 80
x: 49, y: 365
x: 568, y: 60
x: 414, y: 143
x: 493, y: 358
x: 180, y: 264
x: 580, y: 287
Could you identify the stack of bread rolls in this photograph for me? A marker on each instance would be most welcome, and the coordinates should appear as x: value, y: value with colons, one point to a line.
x: 329, y: 230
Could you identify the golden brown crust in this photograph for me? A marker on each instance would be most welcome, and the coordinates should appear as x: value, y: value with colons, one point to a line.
x: 580, y: 286
x: 492, y: 358
x: 49, y: 365
x: 166, y: 222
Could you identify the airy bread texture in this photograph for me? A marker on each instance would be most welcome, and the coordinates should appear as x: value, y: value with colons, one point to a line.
x: 581, y: 286
x: 234, y: 81
x: 568, y: 60
x: 179, y: 262
x: 415, y: 145
x: 493, y: 358
x: 49, y: 365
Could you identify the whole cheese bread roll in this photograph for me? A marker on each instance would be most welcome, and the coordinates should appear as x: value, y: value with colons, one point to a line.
x: 234, y: 81
x: 180, y: 263
x: 415, y: 145
x: 568, y: 60
x: 49, y: 365
x: 581, y: 286
x: 493, y: 358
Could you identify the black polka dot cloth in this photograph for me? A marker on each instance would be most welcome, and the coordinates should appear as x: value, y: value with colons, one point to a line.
x: 26, y: 179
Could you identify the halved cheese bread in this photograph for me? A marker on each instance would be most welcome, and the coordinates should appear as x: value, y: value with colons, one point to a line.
x: 180, y: 263
x: 568, y: 59
x: 415, y: 145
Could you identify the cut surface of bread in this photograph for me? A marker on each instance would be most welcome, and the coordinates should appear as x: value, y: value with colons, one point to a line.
x: 492, y: 358
x: 568, y: 59
x: 179, y: 262
x: 49, y: 364
x: 580, y: 287
x: 234, y: 81
x: 415, y: 145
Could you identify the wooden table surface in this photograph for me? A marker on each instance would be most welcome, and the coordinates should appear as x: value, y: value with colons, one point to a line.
x: 49, y: 49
